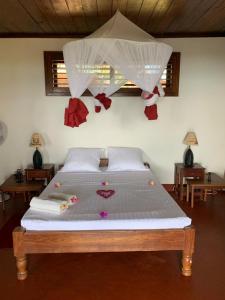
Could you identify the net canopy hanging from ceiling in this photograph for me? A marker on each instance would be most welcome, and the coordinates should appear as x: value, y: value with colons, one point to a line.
x: 132, y: 54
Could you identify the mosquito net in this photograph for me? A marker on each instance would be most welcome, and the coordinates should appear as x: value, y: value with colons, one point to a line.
x: 105, y: 60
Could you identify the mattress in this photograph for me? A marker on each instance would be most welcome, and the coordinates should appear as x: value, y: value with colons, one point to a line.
x: 135, y: 204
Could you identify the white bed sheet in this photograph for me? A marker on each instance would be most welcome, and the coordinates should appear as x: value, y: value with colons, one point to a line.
x: 135, y: 204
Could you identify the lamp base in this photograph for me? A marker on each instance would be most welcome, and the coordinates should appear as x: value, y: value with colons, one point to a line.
x: 37, y: 159
x: 188, y: 158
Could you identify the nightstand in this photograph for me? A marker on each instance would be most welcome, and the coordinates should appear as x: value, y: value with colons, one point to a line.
x: 27, y: 188
x: 181, y: 172
x: 47, y: 172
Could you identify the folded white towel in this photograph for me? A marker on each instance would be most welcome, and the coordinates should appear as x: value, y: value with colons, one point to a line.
x: 69, y: 198
x: 54, y: 206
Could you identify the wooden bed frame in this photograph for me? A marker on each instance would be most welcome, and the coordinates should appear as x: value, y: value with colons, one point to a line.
x: 29, y: 242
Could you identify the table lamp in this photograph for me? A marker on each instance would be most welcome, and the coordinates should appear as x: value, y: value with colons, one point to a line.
x: 190, y: 139
x: 36, y: 141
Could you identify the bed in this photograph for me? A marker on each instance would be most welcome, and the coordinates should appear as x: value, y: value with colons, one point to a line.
x: 141, y: 217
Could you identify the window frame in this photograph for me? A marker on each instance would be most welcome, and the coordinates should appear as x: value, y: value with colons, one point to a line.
x: 50, y: 90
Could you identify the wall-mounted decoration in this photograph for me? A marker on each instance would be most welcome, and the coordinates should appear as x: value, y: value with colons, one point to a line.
x: 3, y: 132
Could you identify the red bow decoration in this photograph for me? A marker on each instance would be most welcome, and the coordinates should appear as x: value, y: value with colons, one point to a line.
x: 147, y: 95
x: 97, y: 108
x: 156, y: 90
x: 151, y: 112
x: 75, y: 113
x: 105, y: 101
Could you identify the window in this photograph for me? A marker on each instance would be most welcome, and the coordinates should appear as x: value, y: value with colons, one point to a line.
x: 56, y: 82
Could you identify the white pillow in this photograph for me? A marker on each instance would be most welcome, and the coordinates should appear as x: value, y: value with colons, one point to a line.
x: 125, y: 159
x: 82, y: 159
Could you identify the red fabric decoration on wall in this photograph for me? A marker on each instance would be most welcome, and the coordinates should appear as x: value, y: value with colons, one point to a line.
x: 147, y: 95
x: 105, y: 101
x: 151, y: 112
x: 150, y: 99
x: 75, y: 113
x: 156, y: 90
x: 97, y: 108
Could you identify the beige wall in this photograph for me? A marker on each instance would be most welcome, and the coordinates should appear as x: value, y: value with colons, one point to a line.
x: 200, y: 107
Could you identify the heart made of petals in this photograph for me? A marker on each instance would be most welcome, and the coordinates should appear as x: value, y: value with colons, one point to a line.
x: 105, y: 193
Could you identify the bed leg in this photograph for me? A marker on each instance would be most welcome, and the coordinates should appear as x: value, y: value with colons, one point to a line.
x: 21, y: 263
x: 19, y: 252
x: 189, y: 240
x: 186, y: 264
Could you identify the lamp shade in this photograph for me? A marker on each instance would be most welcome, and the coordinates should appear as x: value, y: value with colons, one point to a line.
x: 36, y: 140
x: 190, y: 139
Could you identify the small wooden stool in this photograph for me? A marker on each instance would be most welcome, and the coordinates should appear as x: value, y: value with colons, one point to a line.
x: 204, y: 186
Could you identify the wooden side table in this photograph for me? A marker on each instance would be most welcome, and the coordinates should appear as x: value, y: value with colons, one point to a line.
x: 25, y: 187
x: 47, y: 172
x: 205, y: 185
x: 181, y: 172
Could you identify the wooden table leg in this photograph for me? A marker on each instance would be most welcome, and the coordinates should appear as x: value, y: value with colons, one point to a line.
x: 187, y: 196
x: 205, y: 194
x: 181, y: 179
x: 192, y: 196
x: 25, y: 197
x: 214, y: 192
x: 201, y: 193
x: 176, y: 181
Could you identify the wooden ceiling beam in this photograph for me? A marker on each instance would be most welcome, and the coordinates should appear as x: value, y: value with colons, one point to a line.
x: 79, y: 17
x: 133, y: 9
x: 77, y: 14
x: 181, y: 19
x: 146, y: 12
x: 158, y: 14
x: 90, y: 9
x: 63, y: 14
x: 212, y: 19
x: 3, y: 28
x: 34, y: 12
x: 14, y: 18
x: 121, y: 5
x: 48, y: 11
x: 79, y: 36
x: 193, y: 11
x: 104, y: 10
x: 175, y: 10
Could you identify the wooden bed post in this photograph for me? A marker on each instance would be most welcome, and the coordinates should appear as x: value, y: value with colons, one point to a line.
x: 189, y: 239
x: 18, y: 247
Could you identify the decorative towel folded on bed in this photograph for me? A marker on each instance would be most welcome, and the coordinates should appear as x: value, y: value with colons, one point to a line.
x: 50, y: 206
x: 70, y: 199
